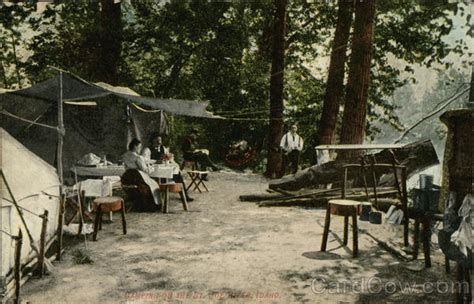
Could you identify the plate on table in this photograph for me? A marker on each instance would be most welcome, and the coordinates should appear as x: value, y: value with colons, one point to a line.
x: 150, y: 161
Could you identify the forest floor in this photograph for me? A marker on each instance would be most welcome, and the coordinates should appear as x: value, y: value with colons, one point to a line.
x: 225, y: 250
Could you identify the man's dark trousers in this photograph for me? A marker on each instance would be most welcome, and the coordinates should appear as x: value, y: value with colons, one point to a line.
x: 292, y: 159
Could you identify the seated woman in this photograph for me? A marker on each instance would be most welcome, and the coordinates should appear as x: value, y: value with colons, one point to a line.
x: 159, y: 152
x: 133, y: 160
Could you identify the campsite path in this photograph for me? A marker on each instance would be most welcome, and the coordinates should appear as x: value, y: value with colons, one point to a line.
x: 225, y: 250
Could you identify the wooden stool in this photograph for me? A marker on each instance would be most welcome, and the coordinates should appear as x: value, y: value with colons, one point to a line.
x: 188, y: 164
x: 166, y: 188
x: 345, y: 208
x: 197, y: 180
x: 107, y: 204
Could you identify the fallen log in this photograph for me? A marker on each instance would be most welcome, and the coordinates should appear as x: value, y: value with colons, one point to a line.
x: 284, y: 195
x: 301, y: 202
x: 321, y: 200
x: 336, y: 192
x: 261, y: 197
x: 416, y: 157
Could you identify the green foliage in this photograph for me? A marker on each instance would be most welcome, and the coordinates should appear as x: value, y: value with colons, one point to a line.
x: 12, y: 23
x: 208, y: 56
x: 304, y: 106
x: 220, y: 52
x: 408, y: 34
x: 411, y: 109
x: 68, y: 38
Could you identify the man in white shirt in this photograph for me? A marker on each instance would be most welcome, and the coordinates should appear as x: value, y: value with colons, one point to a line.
x: 291, y: 145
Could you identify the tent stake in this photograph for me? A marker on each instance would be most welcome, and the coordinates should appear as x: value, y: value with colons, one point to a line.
x: 43, y: 244
x: 18, y: 243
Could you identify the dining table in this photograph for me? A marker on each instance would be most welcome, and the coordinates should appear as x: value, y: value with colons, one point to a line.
x: 159, y: 170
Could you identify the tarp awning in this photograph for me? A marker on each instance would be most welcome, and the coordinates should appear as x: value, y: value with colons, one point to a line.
x: 75, y: 89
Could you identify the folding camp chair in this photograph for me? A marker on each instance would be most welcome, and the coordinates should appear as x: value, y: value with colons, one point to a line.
x: 197, y: 180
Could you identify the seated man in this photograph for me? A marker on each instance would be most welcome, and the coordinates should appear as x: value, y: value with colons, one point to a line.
x: 133, y: 160
x: 159, y: 152
x: 191, y: 153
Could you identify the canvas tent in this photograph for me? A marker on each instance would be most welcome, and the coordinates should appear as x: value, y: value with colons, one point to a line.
x: 35, y: 186
x: 103, y: 129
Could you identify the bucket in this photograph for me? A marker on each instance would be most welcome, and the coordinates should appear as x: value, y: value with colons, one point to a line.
x: 375, y: 217
x: 426, y: 181
x: 364, y: 211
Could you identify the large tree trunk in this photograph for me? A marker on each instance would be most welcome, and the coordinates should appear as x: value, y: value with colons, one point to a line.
x: 110, y: 42
x: 274, y: 164
x: 416, y: 157
x: 355, y: 108
x: 326, y: 134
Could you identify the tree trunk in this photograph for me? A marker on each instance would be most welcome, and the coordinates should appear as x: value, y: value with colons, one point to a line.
x: 326, y: 134
x: 274, y: 164
x: 355, y: 108
x: 15, y: 58
x: 111, y: 41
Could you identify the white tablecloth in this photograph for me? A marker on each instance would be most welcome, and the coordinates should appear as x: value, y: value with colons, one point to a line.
x: 160, y: 171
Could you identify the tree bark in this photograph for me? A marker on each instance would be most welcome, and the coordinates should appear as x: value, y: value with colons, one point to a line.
x: 15, y: 57
x: 355, y: 108
x: 274, y: 164
x: 326, y: 134
x: 110, y: 42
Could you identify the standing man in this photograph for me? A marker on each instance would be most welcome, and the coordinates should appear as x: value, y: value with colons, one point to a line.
x: 291, y: 145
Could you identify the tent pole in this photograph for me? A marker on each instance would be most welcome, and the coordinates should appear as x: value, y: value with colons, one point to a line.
x: 59, y: 160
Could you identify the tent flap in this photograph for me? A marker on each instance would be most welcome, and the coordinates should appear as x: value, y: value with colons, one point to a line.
x: 75, y: 89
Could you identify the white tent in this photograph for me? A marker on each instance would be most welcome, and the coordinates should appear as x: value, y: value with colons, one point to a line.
x: 35, y: 186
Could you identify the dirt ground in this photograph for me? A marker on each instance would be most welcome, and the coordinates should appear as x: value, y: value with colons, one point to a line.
x: 225, y: 250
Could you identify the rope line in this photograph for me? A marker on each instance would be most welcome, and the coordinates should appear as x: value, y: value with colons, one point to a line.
x: 23, y: 208
x: 10, y: 235
x: 145, y: 110
x: 4, y: 112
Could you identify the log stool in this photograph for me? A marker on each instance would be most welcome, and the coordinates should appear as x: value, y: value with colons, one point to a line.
x: 107, y: 204
x: 166, y: 188
x: 345, y: 208
x: 197, y: 179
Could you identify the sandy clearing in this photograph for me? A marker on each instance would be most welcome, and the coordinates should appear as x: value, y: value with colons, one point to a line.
x: 225, y: 250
